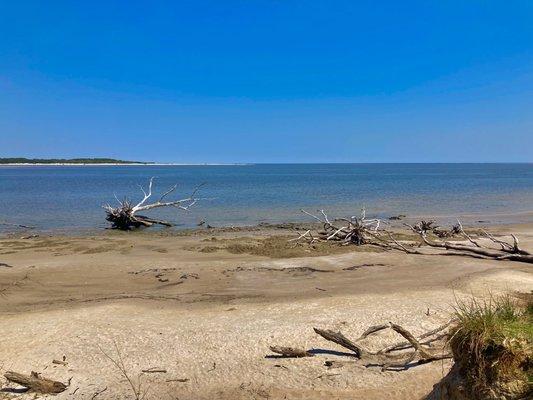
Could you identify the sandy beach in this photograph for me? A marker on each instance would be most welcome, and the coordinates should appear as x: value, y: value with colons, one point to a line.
x: 206, y: 305
x: 266, y: 200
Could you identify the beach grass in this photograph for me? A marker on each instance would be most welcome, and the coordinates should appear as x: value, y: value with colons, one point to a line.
x: 492, y: 344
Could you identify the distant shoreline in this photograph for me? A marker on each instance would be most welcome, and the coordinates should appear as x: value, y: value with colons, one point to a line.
x: 114, y: 164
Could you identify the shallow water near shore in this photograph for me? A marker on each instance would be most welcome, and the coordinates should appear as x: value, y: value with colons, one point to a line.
x: 70, y: 197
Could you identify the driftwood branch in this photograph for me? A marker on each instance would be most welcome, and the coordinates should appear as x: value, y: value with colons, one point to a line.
x: 290, y: 352
x: 433, y: 335
x: 125, y: 216
x: 343, y: 341
x: 35, y: 382
x: 154, y: 371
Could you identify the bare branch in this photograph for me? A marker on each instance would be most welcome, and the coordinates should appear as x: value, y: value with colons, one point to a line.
x: 168, y: 192
x: 146, y: 195
x: 466, y: 234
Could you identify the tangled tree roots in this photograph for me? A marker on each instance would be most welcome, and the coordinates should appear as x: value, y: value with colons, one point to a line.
x: 125, y: 216
x: 353, y: 230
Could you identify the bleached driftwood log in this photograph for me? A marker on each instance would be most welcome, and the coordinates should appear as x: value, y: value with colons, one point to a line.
x: 35, y: 382
x: 126, y: 217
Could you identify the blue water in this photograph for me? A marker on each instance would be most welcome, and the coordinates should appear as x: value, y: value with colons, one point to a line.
x: 65, y: 197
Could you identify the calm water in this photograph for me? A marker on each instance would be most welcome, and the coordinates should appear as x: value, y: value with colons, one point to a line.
x: 71, y: 197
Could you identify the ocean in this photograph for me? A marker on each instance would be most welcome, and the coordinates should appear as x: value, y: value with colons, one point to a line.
x: 69, y: 198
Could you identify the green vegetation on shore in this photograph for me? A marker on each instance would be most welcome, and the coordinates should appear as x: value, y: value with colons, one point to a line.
x: 22, y: 160
x: 492, y: 347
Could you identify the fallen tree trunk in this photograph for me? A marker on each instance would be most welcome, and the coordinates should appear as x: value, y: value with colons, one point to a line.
x: 35, y: 383
x: 507, y: 251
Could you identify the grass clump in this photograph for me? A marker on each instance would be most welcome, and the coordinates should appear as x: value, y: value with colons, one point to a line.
x: 492, y: 346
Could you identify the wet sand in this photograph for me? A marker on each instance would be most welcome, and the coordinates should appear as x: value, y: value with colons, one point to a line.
x: 206, y: 306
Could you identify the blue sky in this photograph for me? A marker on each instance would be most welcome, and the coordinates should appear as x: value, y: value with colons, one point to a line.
x: 268, y: 81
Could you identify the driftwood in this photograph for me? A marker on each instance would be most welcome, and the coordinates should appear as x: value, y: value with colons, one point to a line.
x: 126, y: 217
x: 363, y: 231
x: 475, y: 248
x: 389, y: 358
x: 290, y: 352
x: 154, y: 371
x: 383, y: 358
x: 354, y: 230
x: 347, y: 230
x: 433, y: 335
x: 35, y: 382
x: 341, y: 340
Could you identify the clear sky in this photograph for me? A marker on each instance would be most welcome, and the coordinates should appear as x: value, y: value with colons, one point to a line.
x: 268, y: 81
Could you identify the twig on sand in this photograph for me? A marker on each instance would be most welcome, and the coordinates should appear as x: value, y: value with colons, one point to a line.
x: 154, y: 371
x: 118, y: 361
x: 96, y: 394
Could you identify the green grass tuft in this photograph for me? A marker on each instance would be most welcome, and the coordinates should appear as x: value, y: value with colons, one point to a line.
x: 492, y: 343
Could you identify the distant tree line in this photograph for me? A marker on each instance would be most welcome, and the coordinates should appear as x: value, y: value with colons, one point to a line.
x: 22, y: 160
